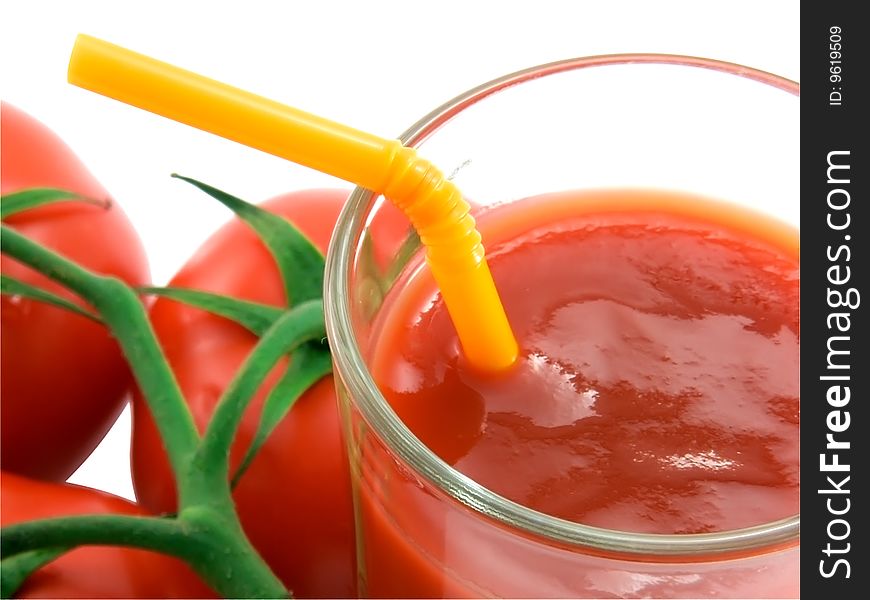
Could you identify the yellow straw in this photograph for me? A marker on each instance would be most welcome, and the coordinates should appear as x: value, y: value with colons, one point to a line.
x: 434, y: 205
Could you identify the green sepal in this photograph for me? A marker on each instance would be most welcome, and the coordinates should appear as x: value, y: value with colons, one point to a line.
x: 308, y: 364
x: 299, y: 261
x: 13, y: 287
x: 253, y: 316
x: 17, y: 202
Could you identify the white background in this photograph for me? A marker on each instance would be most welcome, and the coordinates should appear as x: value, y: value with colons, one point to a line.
x: 373, y: 64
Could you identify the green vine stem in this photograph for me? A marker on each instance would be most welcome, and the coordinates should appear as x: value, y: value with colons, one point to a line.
x: 207, y: 540
x: 122, y: 311
x: 310, y: 362
x: 302, y: 324
x: 149, y: 533
x: 206, y: 533
x: 17, y: 569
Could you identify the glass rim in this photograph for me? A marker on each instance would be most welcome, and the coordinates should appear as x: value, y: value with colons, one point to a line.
x: 376, y: 411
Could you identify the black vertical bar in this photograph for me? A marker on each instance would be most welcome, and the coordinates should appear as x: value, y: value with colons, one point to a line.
x: 835, y: 366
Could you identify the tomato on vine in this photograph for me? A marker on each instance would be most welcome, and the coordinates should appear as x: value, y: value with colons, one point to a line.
x: 63, y: 378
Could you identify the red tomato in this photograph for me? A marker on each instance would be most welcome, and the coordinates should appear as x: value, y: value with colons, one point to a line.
x: 295, y: 499
x: 63, y: 376
x: 92, y: 571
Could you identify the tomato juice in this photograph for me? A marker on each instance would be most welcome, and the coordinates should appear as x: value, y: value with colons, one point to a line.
x: 656, y: 392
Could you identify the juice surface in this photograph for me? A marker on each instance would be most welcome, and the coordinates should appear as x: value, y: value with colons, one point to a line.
x: 657, y: 388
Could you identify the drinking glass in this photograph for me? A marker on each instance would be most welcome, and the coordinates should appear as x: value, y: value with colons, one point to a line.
x: 687, y: 124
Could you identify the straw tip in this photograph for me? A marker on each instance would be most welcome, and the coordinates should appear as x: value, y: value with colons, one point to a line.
x: 73, y: 72
x: 495, y: 352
